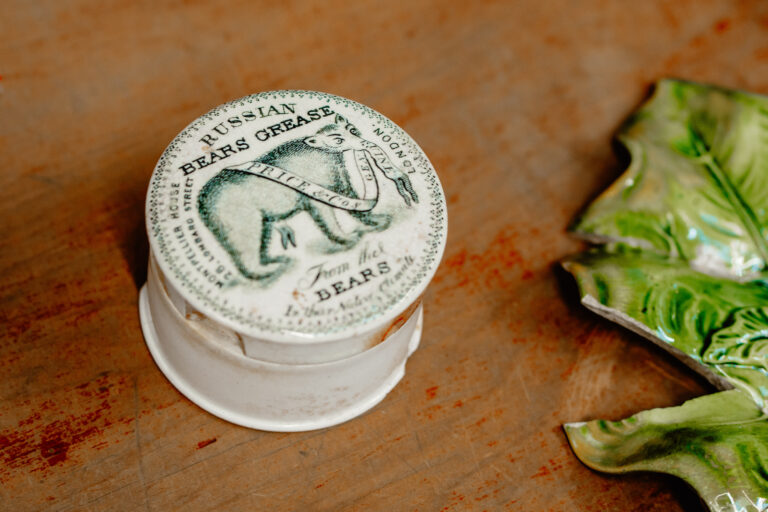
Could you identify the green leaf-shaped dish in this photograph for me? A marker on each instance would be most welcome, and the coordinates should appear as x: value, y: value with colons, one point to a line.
x: 697, y: 187
x: 684, y: 264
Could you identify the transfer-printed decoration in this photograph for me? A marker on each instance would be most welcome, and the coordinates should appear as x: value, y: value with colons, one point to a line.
x: 296, y: 213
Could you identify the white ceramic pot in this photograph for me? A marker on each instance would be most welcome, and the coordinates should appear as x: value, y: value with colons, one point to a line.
x: 292, y: 235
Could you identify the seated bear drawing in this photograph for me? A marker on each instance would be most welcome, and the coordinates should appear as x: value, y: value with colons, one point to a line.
x: 327, y: 174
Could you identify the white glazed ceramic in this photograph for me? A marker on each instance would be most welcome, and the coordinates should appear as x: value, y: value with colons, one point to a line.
x: 292, y: 235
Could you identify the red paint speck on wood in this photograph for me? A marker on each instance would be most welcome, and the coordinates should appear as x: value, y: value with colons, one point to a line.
x: 41, y: 442
x: 499, y: 266
x: 722, y: 25
x: 203, y: 444
x: 431, y: 392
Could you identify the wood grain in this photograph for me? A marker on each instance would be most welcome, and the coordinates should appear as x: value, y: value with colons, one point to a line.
x: 514, y: 102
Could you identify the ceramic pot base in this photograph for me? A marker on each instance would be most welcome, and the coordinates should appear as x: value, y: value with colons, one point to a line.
x: 219, y: 378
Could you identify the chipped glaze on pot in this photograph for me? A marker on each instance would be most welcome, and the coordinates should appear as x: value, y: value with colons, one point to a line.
x: 292, y: 235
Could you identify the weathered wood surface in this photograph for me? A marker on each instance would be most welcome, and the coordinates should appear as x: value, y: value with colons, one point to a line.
x: 514, y: 102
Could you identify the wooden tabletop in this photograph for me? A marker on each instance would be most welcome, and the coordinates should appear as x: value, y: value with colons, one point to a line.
x: 514, y: 102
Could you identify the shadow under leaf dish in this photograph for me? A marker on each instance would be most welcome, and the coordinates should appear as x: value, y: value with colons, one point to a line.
x: 682, y: 260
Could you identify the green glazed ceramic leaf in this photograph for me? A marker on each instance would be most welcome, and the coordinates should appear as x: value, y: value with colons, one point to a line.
x: 687, y: 271
x: 718, y: 326
x: 717, y: 443
x: 697, y: 187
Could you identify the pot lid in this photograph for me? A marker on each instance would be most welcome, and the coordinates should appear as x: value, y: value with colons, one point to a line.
x: 296, y: 216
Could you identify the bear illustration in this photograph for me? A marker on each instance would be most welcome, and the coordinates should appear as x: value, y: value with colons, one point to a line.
x: 241, y: 208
